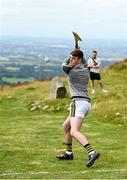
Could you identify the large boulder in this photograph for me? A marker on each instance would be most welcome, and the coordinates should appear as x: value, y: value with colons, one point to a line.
x: 58, y: 89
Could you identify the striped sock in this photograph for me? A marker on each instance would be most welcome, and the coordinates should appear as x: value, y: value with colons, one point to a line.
x: 89, y: 148
x: 69, y: 147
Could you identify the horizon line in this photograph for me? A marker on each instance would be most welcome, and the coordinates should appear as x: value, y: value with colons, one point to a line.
x: 60, y: 37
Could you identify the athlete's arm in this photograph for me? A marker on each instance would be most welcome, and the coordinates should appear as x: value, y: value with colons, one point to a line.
x: 67, y: 66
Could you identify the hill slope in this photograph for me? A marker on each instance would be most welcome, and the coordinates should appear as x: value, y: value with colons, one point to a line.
x: 110, y: 107
x: 119, y: 66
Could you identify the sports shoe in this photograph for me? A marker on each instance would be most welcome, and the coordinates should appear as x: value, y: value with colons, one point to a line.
x: 65, y: 156
x: 104, y: 90
x: 92, y: 158
x: 93, y: 91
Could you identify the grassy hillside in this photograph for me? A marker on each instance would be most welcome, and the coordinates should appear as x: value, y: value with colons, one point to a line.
x: 31, y: 137
x: 109, y: 107
x: 119, y: 66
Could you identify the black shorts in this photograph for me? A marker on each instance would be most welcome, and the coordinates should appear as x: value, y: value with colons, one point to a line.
x: 95, y: 76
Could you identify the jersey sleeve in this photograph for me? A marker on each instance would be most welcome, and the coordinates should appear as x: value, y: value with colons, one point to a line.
x: 66, y: 66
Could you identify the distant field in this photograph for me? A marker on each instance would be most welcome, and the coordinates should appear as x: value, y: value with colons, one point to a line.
x: 16, y: 80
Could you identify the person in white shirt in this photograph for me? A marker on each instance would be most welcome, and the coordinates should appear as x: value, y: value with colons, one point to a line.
x: 94, y: 66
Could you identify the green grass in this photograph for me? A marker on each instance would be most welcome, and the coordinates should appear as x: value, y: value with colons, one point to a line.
x: 112, y: 106
x: 29, y: 141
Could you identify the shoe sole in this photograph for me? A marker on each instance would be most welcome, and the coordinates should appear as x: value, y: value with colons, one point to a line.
x: 62, y: 158
x: 90, y: 163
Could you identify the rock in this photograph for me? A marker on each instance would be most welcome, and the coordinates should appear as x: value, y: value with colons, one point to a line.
x: 58, y: 90
x: 35, y: 103
x: 45, y: 107
x: 9, y: 97
x: 33, y: 108
x: 118, y: 114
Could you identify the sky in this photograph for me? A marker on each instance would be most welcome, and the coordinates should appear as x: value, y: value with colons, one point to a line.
x: 58, y: 18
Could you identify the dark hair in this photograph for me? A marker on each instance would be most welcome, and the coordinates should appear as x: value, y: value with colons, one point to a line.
x: 94, y: 52
x: 77, y: 53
